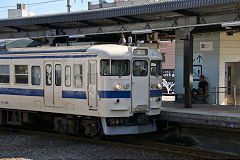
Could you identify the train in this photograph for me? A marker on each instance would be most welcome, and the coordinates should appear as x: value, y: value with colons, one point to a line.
x: 92, y: 90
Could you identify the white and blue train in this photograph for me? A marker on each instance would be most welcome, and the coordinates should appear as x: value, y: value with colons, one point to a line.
x: 101, y: 89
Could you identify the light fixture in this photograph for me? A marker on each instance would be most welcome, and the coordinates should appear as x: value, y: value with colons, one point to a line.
x: 231, y: 24
x: 144, y: 31
x: 77, y: 36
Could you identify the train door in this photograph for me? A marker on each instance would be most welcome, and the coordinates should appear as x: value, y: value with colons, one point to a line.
x: 53, y: 83
x: 92, y: 84
x: 140, y: 85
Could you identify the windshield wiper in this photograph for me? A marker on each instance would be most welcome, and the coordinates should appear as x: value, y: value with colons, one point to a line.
x: 123, y: 72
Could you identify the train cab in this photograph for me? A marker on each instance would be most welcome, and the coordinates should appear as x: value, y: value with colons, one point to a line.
x: 129, y: 88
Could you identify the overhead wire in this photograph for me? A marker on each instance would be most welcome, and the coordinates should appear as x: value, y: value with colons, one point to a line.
x: 32, y: 4
x: 39, y: 3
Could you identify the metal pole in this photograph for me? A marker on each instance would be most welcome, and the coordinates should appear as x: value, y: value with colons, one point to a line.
x: 235, y: 95
x: 68, y: 5
x: 216, y: 95
x: 188, y: 69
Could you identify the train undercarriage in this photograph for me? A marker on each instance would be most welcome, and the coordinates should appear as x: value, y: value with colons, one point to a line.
x: 73, y: 124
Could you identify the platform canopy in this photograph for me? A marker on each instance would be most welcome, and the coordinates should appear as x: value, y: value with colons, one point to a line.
x: 154, y: 16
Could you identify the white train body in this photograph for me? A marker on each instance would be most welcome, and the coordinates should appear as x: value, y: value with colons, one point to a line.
x: 120, y: 85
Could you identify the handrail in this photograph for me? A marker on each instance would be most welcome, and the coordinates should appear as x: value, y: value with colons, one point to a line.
x: 235, y: 90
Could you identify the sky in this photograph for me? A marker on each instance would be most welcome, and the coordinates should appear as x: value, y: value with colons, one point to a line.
x: 51, y: 7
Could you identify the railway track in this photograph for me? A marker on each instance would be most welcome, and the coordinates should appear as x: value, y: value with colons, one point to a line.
x: 167, y: 149
x: 178, y: 151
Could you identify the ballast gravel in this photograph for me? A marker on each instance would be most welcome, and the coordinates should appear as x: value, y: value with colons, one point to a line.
x: 17, y: 146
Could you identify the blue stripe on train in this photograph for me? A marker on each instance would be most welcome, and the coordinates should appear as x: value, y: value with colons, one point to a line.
x: 74, y: 94
x: 114, y: 94
x: 39, y: 57
x: 155, y: 93
x: 22, y: 92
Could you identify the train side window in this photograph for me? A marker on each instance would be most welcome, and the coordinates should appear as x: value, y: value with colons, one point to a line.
x: 48, y: 74
x: 4, y: 74
x: 78, y: 78
x: 68, y: 76
x: 36, y: 75
x: 21, y: 74
x: 92, y: 73
x: 58, y: 75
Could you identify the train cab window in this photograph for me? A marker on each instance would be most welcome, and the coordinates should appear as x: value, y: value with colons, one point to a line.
x: 4, y: 74
x: 105, y: 67
x: 68, y: 76
x: 21, y: 74
x: 140, y: 68
x: 78, y: 78
x: 48, y: 74
x: 58, y: 75
x: 36, y: 75
x: 156, y: 69
x: 118, y: 68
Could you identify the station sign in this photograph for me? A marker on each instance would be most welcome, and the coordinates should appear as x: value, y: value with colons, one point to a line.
x: 206, y: 46
x: 197, y: 68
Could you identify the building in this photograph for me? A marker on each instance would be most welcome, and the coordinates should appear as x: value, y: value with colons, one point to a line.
x: 216, y: 56
x: 20, y: 12
x: 167, y: 48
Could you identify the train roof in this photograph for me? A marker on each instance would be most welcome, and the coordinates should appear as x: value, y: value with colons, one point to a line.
x: 18, y: 43
x: 106, y: 50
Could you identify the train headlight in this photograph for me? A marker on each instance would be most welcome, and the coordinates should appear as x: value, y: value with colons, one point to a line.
x: 118, y: 86
x: 159, y: 85
x: 126, y: 86
x: 153, y: 85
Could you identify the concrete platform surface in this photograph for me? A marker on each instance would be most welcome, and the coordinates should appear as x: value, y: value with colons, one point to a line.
x: 205, y: 114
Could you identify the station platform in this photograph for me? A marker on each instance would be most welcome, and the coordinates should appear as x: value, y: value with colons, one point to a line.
x: 203, y: 114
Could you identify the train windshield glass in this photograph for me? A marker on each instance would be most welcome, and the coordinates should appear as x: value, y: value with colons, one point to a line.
x: 156, y: 68
x: 115, y: 67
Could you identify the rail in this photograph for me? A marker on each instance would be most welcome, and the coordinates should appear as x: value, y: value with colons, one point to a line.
x: 130, y: 142
x: 176, y: 150
x: 217, y: 91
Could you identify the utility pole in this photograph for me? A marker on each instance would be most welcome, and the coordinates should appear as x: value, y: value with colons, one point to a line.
x: 68, y: 6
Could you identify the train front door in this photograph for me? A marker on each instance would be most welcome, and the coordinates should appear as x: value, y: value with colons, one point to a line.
x: 92, y: 84
x: 53, y: 83
x: 140, y: 85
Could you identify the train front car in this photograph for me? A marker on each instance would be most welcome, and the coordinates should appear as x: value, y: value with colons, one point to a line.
x: 129, y: 89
